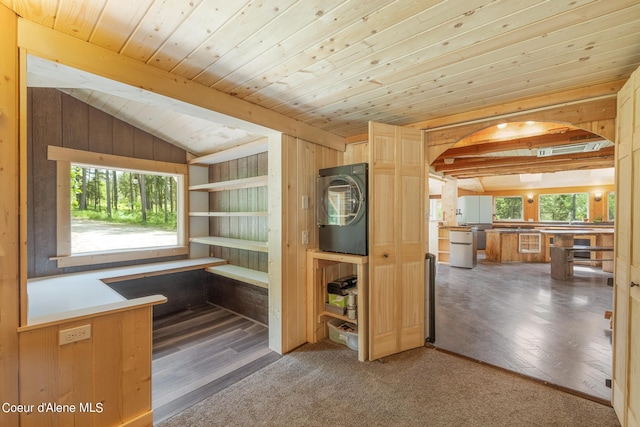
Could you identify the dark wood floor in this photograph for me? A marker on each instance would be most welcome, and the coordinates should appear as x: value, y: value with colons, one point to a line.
x: 200, y: 351
x: 516, y: 317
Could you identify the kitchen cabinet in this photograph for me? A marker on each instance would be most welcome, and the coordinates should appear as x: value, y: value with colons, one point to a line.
x: 475, y: 210
x: 512, y: 245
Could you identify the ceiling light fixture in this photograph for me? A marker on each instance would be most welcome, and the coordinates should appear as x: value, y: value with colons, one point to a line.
x: 448, y: 161
x: 502, y: 125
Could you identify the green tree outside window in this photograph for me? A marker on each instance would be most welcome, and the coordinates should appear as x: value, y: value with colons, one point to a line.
x: 508, y: 208
x: 564, y: 207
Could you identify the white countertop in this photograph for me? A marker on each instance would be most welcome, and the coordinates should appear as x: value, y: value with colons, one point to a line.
x: 66, y: 296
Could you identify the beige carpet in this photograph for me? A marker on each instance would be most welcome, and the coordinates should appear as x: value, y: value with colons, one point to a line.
x: 324, y: 385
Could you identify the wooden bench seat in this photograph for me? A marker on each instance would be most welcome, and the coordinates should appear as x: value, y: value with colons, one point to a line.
x: 242, y: 274
x: 580, y: 248
x: 562, y: 259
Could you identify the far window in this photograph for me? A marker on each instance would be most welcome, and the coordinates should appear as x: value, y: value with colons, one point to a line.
x: 508, y: 208
x: 564, y: 207
x: 435, y: 209
x: 611, y: 206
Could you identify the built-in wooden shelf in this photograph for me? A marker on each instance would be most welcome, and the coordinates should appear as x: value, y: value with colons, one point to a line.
x: 336, y: 316
x: 223, y: 214
x: 322, y: 267
x: 236, y: 184
x: 244, y: 150
x: 242, y: 274
x: 227, y: 242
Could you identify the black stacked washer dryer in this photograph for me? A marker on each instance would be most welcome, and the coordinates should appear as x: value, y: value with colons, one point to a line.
x: 342, y: 209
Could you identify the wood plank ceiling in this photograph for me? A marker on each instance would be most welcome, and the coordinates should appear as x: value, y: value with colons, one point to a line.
x: 337, y: 64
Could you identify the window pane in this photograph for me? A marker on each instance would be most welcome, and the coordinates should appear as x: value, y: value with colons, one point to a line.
x: 119, y: 210
x: 564, y: 207
x: 611, y: 203
x: 435, y: 209
x: 508, y: 208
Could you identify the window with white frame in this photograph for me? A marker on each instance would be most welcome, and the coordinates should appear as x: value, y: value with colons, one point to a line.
x: 115, y: 208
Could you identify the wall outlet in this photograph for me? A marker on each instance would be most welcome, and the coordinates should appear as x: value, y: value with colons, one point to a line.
x: 305, y: 202
x: 67, y: 336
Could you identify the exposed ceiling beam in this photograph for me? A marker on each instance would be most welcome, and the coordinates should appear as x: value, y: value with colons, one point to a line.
x: 476, y: 163
x: 549, y: 167
x: 540, y: 141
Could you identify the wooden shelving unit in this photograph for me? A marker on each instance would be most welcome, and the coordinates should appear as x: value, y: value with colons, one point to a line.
x: 323, y: 267
x: 244, y: 150
x: 227, y: 242
x: 201, y: 212
x: 443, y: 245
x: 211, y: 214
x: 236, y: 184
x: 243, y: 274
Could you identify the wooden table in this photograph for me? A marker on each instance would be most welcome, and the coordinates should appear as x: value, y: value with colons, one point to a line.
x: 563, y: 248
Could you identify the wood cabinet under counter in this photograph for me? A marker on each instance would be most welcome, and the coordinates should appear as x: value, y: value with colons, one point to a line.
x: 513, y: 245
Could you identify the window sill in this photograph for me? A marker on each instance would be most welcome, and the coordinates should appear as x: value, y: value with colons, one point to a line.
x: 91, y: 258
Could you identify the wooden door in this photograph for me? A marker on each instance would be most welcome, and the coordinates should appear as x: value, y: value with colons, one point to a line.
x: 396, y: 239
x: 626, y: 363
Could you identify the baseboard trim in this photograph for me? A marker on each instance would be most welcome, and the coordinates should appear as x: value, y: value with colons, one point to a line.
x: 143, y: 420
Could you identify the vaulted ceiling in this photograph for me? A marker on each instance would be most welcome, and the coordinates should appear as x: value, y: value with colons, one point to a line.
x: 337, y: 64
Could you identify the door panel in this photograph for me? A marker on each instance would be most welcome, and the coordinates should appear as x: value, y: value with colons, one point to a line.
x: 397, y: 239
x: 382, y: 313
x: 412, y: 315
x: 633, y: 373
x: 626, y: 345
x: 411, y: 210
x: 634, y: 359
x: 383, y: 224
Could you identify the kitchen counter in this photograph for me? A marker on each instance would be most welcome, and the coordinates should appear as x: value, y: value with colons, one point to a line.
x: 512, y: 230
x: 504, y: 243
x: 515, y: 245
x: 68, y: 296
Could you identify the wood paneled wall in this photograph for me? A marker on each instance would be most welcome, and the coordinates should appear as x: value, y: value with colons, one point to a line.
x: 10, y: 202
x: 111, y: 371
x: 301, y: 161
x: 243, y: 200
x: 55, y: 118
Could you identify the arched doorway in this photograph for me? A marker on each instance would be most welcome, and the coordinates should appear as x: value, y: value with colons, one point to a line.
x: 512, y: 314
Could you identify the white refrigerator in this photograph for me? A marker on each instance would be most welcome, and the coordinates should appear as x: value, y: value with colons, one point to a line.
x: 463, y: 248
